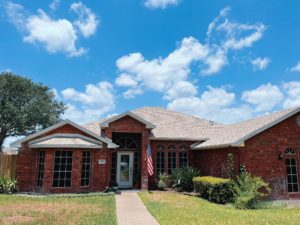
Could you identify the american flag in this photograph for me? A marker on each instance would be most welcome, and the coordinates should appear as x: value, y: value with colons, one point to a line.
x: 149, y: 160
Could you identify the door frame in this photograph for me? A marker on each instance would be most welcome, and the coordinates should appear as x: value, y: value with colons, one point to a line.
x: 129, y: 184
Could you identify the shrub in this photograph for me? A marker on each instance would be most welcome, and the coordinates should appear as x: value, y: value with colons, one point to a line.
x: 213, y: 189
x: 249, y: 191
x: 164, y: 181
x: 7, y: 185
x: 182, y: 178
x: 230, y: 166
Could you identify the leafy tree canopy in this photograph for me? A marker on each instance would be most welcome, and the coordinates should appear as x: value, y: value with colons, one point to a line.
x: 26, y: 107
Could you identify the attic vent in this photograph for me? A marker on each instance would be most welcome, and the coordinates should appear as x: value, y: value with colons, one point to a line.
x: 298, y: 120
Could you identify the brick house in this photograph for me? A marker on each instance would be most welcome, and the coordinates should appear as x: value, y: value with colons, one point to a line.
x: 68, y: 157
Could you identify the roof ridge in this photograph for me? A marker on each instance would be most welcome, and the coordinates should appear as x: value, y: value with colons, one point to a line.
x: 265, y: 115
x: 177, y: 112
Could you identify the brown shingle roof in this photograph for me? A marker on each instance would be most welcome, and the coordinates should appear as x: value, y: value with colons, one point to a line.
x: 170, y: 124
x: 235, y: 134
x: 179, y: 126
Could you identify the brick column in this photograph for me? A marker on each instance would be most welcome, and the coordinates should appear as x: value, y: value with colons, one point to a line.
x: 76, y: 170
x: 144, y: 172
x: 48, y: 171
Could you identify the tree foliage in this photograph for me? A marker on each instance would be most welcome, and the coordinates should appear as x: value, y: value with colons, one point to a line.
x: 26, y: 107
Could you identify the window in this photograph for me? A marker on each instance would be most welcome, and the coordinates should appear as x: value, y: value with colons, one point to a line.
x: 171, y: 161
x: 183, y: 147
x: 160, y: 147
x: 86, y: 168
x: 40, y: 169
x: 62, y: 174
x: 290, y: 151
x: 292, y: 176
x: 160, y: 163
x: 171, y: 147
x: 183, y: 159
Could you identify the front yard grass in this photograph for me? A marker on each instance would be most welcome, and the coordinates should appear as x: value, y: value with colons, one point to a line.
x: 171, y: 208
x: 16, y: 209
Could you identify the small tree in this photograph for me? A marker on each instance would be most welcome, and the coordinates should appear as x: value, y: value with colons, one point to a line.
x: 25, y: 107
x: 230, y: 166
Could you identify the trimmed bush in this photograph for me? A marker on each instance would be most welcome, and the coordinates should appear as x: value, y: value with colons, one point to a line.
x: 164, y: 181
x: 7, y: 185
x: 214, y: 189
x: 182, y: 178
x: 249, y: 191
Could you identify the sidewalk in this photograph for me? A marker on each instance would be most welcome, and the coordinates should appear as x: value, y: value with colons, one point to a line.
x: 132, y: 211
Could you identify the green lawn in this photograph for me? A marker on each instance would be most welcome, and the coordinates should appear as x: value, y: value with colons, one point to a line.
x: 57, y: 210
x: 171, y: 208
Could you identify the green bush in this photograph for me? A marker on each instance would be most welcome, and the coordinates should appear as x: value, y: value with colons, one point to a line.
x: 182, y: 178
x: 249, y: 191
x: 7, y: 185
x: 213, y: 189
x: 164, y: 181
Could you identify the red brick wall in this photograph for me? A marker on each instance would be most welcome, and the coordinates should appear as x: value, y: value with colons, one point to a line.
x: 213, y: 162
x: 129, y: 125
x: 260, y: 156
x: 27, y: 164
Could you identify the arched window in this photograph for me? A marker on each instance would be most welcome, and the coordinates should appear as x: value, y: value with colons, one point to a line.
x: 183, y: 147
x: 290, y: 151
x: 160, y: 147
x: 171, y: 147
x: 127, y: 143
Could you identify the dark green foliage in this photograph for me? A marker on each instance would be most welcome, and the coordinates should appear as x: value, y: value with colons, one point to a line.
x: 8, y: 186
x: 213, y: 189
x: 26, y: 107
x: 249, y: 191
x: 230, y: 166
x: 183, y: 178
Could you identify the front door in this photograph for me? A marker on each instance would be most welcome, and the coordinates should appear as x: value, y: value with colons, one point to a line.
x: 124, y: 171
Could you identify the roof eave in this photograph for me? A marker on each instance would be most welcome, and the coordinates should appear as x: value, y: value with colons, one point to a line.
x: 177, y: 139
x: 65, y: 146
x: 17, y: 144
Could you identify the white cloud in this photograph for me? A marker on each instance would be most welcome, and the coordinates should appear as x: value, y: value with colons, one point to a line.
x: 87, y: 22
x: 125, y: 80
x: 55, y: 35
x: 180, y: 90
x: 54, y: 5
x: 215, y: 104
x: 91, y: 104
x: 265, y: 97
x: 260, y: 63
x: 162, y: 74
x: 296, y: 68
x: 15, y: 14
x: 292, y: 90
x: 131, y: 93
x: 160, y: 3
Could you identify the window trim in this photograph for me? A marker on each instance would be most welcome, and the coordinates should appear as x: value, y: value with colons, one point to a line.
x: 37, y: 171
x: 297, y: 175
x: 71, y: 184
x: 176, y: 148
x: 90, y: 171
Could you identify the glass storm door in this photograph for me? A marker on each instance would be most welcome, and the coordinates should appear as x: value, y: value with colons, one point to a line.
x: 124, y: 171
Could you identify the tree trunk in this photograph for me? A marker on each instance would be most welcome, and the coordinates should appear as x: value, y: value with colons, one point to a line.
x: 2, y: 138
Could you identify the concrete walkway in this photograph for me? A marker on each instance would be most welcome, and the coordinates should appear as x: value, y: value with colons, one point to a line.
x: 132, y: 211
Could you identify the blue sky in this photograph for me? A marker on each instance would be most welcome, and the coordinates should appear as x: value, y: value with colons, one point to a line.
x: 221, y: 60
